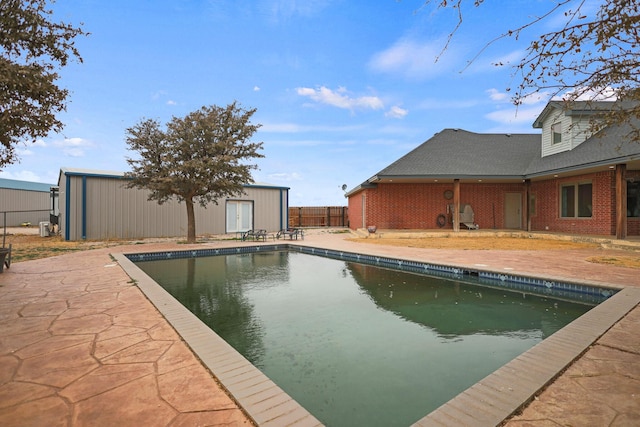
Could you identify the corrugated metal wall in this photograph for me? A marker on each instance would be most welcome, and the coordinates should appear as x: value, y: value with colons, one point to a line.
x: 12, y: 200
x: 103, y: 208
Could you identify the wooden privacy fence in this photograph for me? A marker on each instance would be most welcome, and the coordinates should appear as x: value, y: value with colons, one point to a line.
x: 319, y: 216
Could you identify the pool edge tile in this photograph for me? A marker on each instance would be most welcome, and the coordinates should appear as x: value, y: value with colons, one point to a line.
x: 215, y: 350
x: 603, y: 317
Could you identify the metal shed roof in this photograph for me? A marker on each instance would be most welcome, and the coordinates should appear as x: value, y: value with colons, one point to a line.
x: 120, y: 175
x: 14, y: 184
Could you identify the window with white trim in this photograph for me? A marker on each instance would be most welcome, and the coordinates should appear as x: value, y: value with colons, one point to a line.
x: 576, y: 200
x: 556, y: 133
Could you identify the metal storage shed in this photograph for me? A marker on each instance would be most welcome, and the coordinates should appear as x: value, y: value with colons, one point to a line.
x: 97, y: 205
x: 24, y: 202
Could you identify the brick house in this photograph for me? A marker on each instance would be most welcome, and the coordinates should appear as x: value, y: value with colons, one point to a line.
x: 561, y: 180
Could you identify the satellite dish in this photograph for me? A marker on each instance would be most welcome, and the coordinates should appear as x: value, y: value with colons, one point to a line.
x: 344, y: 187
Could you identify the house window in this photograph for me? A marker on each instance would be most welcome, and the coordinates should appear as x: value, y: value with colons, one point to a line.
x: 633, y: 199
x: 576, y: 200
x: 556, y: 133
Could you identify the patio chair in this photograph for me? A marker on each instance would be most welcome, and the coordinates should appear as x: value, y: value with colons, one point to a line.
x: 255, y: 235
x: 260, y: 234
x: 5, y: 257
x: 293, y: 233
x: 467, y: 216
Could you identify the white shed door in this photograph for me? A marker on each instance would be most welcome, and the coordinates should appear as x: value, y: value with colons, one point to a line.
x: 239, y: 216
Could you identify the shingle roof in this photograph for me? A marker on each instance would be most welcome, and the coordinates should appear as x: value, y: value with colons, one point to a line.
x: 454, y: 152
x: 605, y: 148
x: 578, y: 108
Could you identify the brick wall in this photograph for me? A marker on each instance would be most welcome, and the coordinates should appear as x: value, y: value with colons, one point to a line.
x: 547, y: 210
x: 355, y: 210
x: 417, y: 206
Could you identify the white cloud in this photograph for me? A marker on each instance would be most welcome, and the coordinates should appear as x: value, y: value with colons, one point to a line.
x: 285, y: 176
x: 171, y: 102
x: 73, y: 152
x: 535, y: 98
x: 72, y: 142
x: 287, y: 9
x: 511, y: 116
x: 531, y: 99
x: 296, y: 128
x: 412, y: 59
x: 256, y: 88
x: 591, y: 94
x: 21, y: 176
x: 340, y: 99
x: 73, y: 147
x: 396, y: 112
x: 496, y: 95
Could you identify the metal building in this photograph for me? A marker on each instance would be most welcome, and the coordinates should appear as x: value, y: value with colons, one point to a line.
x: 97, y: 205
x: 24, y: 202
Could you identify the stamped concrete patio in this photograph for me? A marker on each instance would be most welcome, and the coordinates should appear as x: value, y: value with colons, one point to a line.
x: 80, y: 345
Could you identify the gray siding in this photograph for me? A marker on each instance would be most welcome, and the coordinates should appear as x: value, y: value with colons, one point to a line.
x: 109, y: 210
x: 12, y: 200
x: 575, y: 130
x: 548, y: 147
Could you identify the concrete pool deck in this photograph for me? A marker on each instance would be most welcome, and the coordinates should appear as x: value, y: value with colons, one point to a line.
x: 80, y: 344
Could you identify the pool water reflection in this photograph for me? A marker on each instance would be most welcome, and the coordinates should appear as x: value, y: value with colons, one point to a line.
x: 357, y: 344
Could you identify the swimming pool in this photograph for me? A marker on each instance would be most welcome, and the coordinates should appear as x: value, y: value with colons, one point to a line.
x: 391, y: 298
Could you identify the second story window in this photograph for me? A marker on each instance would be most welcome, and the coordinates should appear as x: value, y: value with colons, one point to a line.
x: 556, y: 133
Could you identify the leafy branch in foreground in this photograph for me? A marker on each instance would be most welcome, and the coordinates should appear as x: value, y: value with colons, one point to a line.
x: 592, y: 56
x: 32, y: 48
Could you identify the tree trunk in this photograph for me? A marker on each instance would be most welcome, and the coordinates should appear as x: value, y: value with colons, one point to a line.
x: 191, y: 222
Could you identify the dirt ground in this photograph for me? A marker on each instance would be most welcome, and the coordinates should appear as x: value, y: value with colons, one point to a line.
x: 482, y: 243
x: 32, y: 246
x: 508, y: 244
x: 27, y: 247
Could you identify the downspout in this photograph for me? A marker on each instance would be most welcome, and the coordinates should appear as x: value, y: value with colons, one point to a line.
x: 621, y: 201
x: 364, y: 210
x: 284, y: 215
x: 84, y: 207
x: 527, y: 204
x: 456, y: 205
x: 67, y: 209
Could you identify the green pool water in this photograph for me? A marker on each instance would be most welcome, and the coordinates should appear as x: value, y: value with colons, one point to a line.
x: 359, y: 345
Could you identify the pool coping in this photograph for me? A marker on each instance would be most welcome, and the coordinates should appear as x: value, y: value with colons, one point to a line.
x: 488, y: 402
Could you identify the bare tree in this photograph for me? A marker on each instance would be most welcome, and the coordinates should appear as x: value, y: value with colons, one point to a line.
x: 32, y: 48
x: 199, y: 158
x: 590, y: 57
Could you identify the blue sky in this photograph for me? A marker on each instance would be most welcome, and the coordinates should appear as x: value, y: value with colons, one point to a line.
x: 342, y: 88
